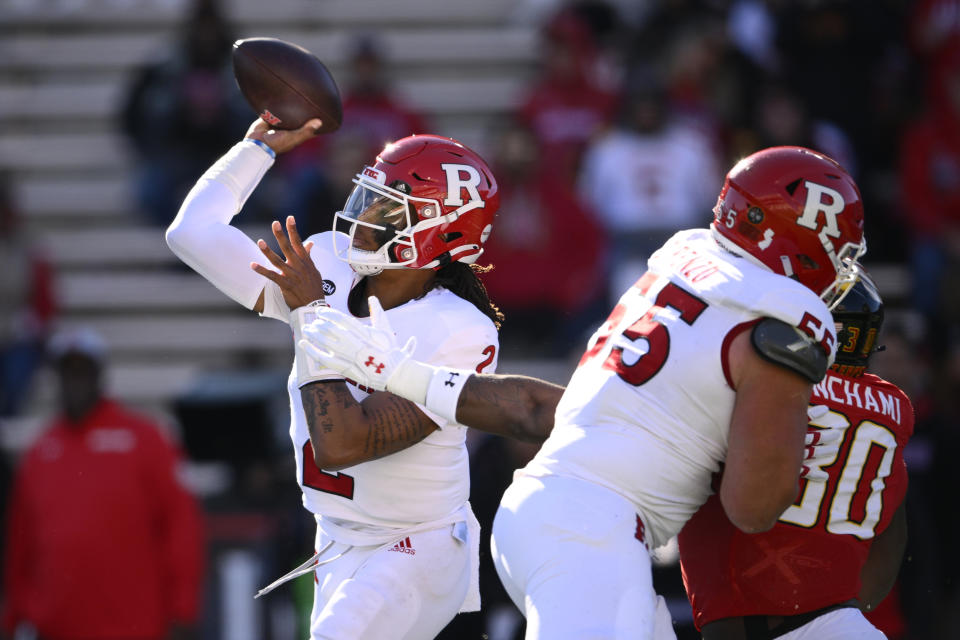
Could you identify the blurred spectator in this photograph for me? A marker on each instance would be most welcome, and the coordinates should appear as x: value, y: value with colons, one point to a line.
x: 371, y: 109
x: 934, y: 25
x: 781, y: 118
x: 752, y: 30
x: 566, y: 106
x: 181, y: 112
x: 944, y: 488
x: 647, y: 178
x: 930, y: 177
x: 102, y: 540
x: 848, y: 62
x: 921, y: 589
x: 319, y: 173
x: 541, y: 225
x: 27, y: 304
x: 699, y: 79
x: 828, y: 48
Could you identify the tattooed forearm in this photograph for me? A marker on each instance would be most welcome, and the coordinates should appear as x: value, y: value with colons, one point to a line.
x: 310, y: 400
x: 343, y: 396
x: 316, y: 405
x: 507, y: 405
x: 395, y: 427
x: 345, y: 432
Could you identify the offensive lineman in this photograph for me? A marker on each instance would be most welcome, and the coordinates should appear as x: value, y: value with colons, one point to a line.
x: 386, y: 479
x: 838, y: 548
x: 708, y: 359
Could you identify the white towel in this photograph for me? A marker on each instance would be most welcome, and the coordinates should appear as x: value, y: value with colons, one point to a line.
x: 472, y: 601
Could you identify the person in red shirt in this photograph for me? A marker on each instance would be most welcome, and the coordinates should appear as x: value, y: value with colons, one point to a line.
x: 837, y: 549
x: 930, y: 189
x: 567, y: 105
x: 102, y: 540
x: 540, y: 219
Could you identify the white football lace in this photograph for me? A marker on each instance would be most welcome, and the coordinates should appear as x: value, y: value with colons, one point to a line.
x: 303, y: 569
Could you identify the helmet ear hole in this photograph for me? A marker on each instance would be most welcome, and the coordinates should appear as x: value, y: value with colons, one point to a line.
x: 450, y: 237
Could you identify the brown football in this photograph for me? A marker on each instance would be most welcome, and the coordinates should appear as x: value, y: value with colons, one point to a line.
x: 286, y: 84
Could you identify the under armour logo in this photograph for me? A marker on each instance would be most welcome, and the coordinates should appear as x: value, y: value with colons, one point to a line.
x: 449, y: 383
x: 377, y: 367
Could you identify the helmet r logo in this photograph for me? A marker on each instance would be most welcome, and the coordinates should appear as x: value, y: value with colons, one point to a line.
x: 459, y: 177
x: 815, y: 205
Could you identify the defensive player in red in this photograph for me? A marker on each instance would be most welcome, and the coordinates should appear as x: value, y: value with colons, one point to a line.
x: 837, y: 549
x: 386, y: 480
x: 709, y: 360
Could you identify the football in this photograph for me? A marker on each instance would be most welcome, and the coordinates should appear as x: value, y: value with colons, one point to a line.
x: 286, y: 84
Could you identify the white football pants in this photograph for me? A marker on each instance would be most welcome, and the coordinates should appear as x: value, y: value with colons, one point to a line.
x: 407, y: 591
x: 567, y: 553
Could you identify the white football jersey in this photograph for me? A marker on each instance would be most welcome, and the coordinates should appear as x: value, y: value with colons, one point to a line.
x: 647, y: 412
x: 429, y: 480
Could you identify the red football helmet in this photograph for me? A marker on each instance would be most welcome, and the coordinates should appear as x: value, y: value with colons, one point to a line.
x: 799, y: 213
x: 428, y: 200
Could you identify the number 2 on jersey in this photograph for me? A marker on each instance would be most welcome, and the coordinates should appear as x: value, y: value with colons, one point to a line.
x: 339, y: 484
x: 648, y: 327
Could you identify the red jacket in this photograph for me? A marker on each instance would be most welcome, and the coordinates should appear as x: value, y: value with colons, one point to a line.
x: 542, y: 224
x: 102, y: 540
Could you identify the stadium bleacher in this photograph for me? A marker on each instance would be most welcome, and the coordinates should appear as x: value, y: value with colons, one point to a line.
x: 63, y: 69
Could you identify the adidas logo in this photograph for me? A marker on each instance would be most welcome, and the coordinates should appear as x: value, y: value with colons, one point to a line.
x: 404, y: 546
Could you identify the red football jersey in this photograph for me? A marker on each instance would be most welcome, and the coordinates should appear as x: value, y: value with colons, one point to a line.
x: 813, y: 556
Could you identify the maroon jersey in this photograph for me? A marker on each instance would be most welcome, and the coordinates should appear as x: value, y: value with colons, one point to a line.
x: 813, y: 556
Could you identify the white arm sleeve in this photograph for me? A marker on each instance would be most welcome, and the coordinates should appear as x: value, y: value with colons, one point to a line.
x: 201, y: 235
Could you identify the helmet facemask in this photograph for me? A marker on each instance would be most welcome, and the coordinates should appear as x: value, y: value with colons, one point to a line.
x: 382, y: 215
x: 395, y: 220
x: 858, y: 320
x: 848, y: 270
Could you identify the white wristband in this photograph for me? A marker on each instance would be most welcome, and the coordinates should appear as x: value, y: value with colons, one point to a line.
x: 411, y: 380
x: 439, y: 387
x: 307, y: 368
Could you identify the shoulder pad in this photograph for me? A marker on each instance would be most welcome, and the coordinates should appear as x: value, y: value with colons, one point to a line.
x: 789, y: 347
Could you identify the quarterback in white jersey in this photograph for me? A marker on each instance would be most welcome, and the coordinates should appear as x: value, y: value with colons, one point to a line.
x: 427, y: 481
x: 705, y: 365
x: 386, y: 479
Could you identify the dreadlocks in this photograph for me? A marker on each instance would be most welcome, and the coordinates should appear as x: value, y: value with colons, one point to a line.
x: 461, y: 278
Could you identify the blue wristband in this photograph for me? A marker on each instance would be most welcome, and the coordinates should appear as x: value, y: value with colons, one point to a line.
x: 263, y: 145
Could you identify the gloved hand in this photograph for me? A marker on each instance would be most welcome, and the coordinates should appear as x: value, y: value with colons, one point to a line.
x: 368, y: 355
x: 822, y: 443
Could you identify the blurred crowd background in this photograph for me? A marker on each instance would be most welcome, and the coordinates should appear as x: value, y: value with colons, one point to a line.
x: 609, y: 124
